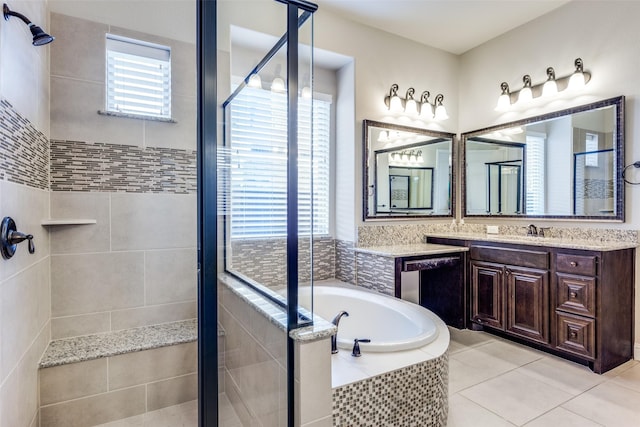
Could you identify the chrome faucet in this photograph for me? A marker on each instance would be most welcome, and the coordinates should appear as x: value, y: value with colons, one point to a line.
x: 532, y: 230
x: 334, y: 337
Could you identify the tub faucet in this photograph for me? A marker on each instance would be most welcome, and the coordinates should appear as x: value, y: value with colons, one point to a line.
x: 334, y: 337
x: 356, y: 347
x: 532, y: 230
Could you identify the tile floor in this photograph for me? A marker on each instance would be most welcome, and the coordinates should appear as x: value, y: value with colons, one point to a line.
x: 495, y: 383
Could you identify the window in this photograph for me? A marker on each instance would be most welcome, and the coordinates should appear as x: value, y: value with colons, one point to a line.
x: 258, y: 165
x: 138, y: 78
x: 535, y: 155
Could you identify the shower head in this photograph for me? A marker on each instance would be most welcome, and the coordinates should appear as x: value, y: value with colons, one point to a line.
x: 39, y: 36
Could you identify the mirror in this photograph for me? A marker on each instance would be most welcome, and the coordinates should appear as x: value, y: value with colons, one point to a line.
x: 407, y: 172
x: 566, y: 164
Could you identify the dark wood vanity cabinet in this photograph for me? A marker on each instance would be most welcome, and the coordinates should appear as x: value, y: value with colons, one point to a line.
x: 574, y: 303
x: 511, y: 291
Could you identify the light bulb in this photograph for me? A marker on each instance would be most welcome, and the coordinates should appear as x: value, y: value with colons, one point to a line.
x: 306, y: 92
x: 411, y: 107
x: 426, y: 110
x: 504, y: 102
x: 395, y: 104
x: 576, y: 81
x: 255, y: 81
x: 277, y: 85
x: 384, y: 136
x: 441, y: 113
x: 525, y: 95
x: 550, y: 87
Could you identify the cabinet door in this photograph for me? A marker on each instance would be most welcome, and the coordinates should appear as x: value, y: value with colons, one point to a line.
x: 528, y: 303
x: 487, y: 294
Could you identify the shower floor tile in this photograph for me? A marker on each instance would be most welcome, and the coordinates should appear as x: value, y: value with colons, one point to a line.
x: 183, y: 415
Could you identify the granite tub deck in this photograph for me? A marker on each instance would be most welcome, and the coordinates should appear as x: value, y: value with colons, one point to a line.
x: 100, y: 378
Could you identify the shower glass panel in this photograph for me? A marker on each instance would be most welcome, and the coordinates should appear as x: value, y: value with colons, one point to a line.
x: 594, y: 182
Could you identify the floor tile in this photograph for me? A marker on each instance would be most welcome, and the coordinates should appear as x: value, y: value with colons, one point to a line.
x: 608, y: 404
x: 465, y: 413
x: 629, y: 378
x: 183, y: 415
x: 516, y: 397
x: 567, y: 376
x: 560, y: 417
x: 469, y: 338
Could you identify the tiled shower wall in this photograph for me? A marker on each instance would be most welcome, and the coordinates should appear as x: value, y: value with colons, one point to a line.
x: 24, y: 195
x: 137, y: 178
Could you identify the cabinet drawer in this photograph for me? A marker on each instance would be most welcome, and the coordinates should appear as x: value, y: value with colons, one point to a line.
x: 576, y: 294
x: 519, y: 257
x: 576, y: 335
x: 576, y: 264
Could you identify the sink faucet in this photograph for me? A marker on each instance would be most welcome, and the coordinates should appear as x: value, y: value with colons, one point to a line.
x: 334, y: 337
x: 532, y: 230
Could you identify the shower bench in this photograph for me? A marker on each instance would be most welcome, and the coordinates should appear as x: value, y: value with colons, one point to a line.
x: 100, y: 378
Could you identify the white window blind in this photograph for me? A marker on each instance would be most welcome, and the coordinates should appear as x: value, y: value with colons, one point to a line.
x: 257, y: 188
x: 138, y: 77
x: 535, y: 161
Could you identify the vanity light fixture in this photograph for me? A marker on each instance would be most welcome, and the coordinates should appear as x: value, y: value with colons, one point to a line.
x: 411, y: 107
x: 40, y: 38
x: 575, y: 81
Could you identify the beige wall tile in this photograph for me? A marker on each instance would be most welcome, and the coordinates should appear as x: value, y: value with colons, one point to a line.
x: 73, y: 381
x: 325, y: 422
x: 259, y: 386
x: 152, y: 315
x: 172, y: 392
x: 96, y: 282
x: 152, y: 365
x: 73, y: 326
x: 181, y: 135
x: 170, y: 276
x: 28, y: 207
x: 235, y: 398
x: 74, y: 106
x: 93, y: 410
x: 240, y: 348
x: 135, y: 223
x: 80, y: 238
x: 24, y: 311
x: 272, y: 338
x: 79, y: 50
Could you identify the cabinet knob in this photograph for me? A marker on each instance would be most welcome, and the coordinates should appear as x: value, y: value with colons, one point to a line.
x: 573, y: 264
x: 573, y: 294
x: 573, y: 334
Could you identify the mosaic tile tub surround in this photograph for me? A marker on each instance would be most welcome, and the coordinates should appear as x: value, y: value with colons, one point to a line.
x: 415, y: 396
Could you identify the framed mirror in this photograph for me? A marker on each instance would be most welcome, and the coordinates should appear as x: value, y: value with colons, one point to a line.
x: 566, y: 164
x: 407, y: 172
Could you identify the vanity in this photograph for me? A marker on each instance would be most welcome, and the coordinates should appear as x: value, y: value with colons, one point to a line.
x: 574, y: 300
x: 432, y: 275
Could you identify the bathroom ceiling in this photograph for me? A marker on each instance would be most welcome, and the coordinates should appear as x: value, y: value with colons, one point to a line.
x: 451, y: 25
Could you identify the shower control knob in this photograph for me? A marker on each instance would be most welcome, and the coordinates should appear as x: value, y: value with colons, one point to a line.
x: 10, y: 237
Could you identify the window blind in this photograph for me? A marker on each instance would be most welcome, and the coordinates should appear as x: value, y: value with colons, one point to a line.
x: 138, y: 77
x: 257, y: 165
x: 535, y: 155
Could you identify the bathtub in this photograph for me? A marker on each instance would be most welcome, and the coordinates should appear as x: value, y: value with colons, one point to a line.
x: 390, y: 323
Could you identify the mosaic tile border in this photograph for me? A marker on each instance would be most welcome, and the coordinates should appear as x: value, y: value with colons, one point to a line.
x: 415, y: 396
x: 86, y: 166
x: 24, y: 150
x: 405, y: 234
x: 376, y: 273
x: 345, y: 262
x: 264, y: 260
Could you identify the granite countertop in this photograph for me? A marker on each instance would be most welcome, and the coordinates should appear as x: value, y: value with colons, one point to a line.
x: 397, y: 251
x: 88, y: 347
x: 594, y: 245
